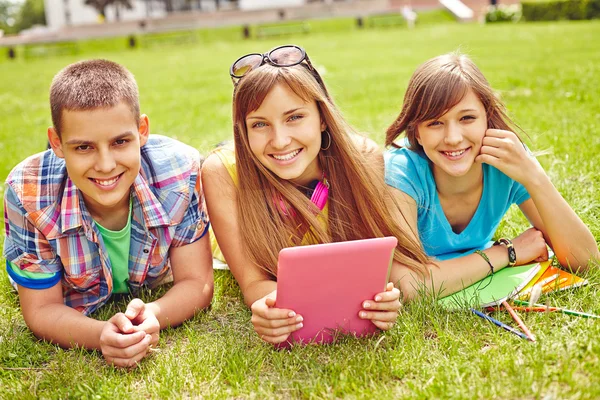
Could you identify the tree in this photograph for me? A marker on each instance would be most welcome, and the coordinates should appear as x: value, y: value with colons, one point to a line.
x: 31, y: 13
x: 8, y: 12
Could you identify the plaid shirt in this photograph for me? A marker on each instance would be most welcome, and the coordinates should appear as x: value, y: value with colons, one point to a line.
x: 49, y: 229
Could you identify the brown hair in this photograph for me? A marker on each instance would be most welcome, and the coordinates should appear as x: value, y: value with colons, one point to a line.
x: 357, y: 196
x: 91, y: 84
x: 437, y: 86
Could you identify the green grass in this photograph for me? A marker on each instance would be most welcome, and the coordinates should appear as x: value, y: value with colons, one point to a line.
x: 549, y: 76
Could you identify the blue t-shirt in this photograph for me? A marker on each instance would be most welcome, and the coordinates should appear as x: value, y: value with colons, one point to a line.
x: 410, y: 172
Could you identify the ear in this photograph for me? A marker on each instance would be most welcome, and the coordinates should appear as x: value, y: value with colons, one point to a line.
x: 144, y: 129
x: 418, y: 137
x: 323, y: 126
x: 55, y: 143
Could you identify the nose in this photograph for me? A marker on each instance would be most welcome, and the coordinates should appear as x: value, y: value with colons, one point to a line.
x: 105, y: 162
x: 454, y: 135
x: 280, y: 138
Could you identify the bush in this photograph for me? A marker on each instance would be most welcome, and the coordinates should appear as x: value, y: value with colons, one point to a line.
x: 503, y: 13
x: 560, y: 9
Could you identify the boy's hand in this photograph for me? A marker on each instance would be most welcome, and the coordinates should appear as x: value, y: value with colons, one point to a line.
x: 504, y: 151
x: 530, y: 246
x: 121, y: 346
x: 143, y: 320
x: 383, y: 311
x: 273, y: 325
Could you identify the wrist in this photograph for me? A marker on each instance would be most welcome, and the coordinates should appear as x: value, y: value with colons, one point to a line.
x: 510, y: 250
x: 537, y: 180
x: 498, y: 257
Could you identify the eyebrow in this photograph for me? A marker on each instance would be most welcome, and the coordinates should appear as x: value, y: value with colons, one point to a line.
x: 79, y: 142
x: 293, y: 110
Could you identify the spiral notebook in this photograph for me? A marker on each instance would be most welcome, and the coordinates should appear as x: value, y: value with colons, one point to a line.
x: 494, y: 289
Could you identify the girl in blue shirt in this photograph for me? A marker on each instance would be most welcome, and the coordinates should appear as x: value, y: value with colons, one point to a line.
x: 459, y: 169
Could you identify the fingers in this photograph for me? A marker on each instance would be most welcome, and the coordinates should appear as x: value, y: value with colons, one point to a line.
x: 269, y: 302
x: 127, y: 356
x: 384, y: 326
x: 276, y: 326
x: 384, y: 320
x: 276, y: 335
x: 383, y: 310
x: 276, y: 330
x: 135, y: 308
x: 498, y: 133
x: 112, y: 336
x: 385, y: 301
x: 122, y: 323
x: 487, y: 159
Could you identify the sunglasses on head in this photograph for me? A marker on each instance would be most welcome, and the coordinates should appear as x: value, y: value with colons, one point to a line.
x: 282, y: 56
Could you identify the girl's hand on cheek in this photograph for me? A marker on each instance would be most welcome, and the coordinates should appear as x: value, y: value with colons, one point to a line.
x: 504, y: 151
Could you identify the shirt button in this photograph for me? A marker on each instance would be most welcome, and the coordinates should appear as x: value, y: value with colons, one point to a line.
x: 146, y: 251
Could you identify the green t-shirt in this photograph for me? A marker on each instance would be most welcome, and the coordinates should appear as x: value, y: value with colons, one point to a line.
x: 117, y: 246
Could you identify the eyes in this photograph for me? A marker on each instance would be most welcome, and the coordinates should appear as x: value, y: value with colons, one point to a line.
x: 465, y: 118
x: 85, y: 148
x: 291, y: 119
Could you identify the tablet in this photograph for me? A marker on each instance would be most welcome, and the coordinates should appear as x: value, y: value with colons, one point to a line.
x: 327, y: 284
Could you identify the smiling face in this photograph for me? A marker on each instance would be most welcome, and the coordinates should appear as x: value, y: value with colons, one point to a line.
x: 101, y: 148
x: 284, y: 133
x: 453, y: 140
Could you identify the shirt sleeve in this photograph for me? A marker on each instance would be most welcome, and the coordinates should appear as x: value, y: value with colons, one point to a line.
x: 26, y: 249
x: 401, y: 173
x: 32, y: 280
x: 195, y: 223
x: 519, y: 194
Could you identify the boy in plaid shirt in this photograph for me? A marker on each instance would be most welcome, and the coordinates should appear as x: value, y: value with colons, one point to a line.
x: 107, y: 210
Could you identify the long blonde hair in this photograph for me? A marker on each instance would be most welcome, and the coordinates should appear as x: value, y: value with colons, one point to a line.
x: 438, y: 85
x: 356, y: 205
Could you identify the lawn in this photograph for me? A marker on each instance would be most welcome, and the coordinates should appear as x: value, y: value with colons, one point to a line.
x: 548, y: 74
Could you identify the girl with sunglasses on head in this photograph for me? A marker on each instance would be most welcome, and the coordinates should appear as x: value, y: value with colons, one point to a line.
x: 460, y: 168
x: 298, y: 175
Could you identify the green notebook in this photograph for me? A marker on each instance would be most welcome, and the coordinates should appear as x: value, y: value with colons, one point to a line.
x: 492, y: 290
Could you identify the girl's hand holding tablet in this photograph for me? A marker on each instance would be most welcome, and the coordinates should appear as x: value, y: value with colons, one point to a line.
x: 383, y: 309
x: 272, y: 324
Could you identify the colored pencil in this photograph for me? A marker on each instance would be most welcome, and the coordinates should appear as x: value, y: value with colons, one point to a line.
x: 499, y: 323
x: 524, y: 308
x: 519, y: 321
x: 562, y: 310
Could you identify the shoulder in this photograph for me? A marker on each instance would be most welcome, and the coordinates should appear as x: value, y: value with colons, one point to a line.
x: 409, y: 172
x: 162, y: 150
x: 220, y: 163
x: 167, y: 162
x: 38, y: 181
x: 404, y: 161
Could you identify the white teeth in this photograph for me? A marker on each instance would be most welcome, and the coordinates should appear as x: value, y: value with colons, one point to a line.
x: 106, y: 183
x: 454, y: 153
x: 286, y: 157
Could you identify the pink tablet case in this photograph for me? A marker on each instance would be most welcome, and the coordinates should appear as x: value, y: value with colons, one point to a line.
x: 327, y: 284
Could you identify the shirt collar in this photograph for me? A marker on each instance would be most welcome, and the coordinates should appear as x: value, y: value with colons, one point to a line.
x: 72, y: 213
